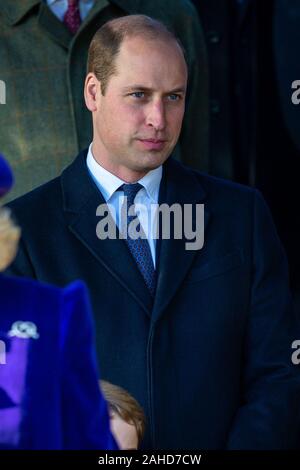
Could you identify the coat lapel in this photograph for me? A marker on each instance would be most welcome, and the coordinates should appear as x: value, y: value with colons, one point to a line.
x: 179, y: 186
x: 54, y: 27
x: 81, y: 199
x: 15, y: 11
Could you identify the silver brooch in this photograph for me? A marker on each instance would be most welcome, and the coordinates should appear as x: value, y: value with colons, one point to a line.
x: 24, y: 329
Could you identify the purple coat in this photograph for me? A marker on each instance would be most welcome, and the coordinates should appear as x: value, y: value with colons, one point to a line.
x: 49, y: 393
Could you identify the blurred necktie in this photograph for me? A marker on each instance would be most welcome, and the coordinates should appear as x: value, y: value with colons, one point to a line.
x: 139, y: 247
x: 72, y: 18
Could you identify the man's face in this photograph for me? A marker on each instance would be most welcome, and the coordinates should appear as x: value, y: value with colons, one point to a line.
x: 138, y: 121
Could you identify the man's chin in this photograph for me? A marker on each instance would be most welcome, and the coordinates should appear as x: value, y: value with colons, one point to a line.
x: 150, y: 161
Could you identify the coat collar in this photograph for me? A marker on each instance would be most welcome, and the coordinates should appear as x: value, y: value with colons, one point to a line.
x: 180, y: 186
x: 81, y: 199
x: 15, y: 10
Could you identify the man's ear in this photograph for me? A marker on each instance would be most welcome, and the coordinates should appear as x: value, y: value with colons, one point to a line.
x: 92, y: 91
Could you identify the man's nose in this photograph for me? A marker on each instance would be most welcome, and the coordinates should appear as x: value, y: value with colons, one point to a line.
x: 156, y: 115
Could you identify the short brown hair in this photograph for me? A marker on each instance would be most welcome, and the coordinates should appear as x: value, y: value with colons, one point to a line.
x: 122, y: 403
x: 107, y: 42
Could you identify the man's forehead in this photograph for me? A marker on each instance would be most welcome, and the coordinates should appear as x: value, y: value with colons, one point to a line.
x: 147, y: 62
x: 143, y: 47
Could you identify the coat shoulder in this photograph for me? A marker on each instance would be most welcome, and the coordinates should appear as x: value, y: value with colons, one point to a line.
x: 39, y: 200
x: 214, y: 187
x: 228, y: 196
x: 16, y: 287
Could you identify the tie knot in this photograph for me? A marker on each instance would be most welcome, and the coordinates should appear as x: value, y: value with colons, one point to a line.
x: 130, y: 191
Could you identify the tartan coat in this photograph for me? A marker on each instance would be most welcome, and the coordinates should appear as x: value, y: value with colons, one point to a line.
x: 44, y: 122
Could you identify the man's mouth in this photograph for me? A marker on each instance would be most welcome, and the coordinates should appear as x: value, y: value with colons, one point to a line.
x: 152, y: 144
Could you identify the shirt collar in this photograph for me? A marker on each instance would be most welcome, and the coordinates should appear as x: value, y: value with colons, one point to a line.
x: 109, y: 183
x: 151, y: 182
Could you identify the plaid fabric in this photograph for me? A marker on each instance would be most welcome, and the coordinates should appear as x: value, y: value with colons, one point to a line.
x: 44, y: 122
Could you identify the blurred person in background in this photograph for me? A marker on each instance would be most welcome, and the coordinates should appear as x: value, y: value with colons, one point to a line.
x: 49, y: 394
x: 43, y: 55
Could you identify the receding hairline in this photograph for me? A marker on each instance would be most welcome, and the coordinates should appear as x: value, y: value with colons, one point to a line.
x: 107, y: 42
x: 155, y: 41
x: 140, y: 25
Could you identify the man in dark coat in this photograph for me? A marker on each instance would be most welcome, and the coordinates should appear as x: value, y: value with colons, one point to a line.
x: 200, y: 334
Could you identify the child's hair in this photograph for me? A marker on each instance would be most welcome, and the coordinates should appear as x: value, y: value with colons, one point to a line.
x: 123, y: 404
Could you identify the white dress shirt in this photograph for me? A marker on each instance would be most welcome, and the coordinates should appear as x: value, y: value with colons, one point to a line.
x: 146, y: 200
x: 59, y: 7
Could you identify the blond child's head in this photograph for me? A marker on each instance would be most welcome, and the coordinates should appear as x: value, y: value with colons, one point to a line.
x: 127, y: 419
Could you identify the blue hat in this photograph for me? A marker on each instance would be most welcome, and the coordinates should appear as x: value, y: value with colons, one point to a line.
x: 6, y: 176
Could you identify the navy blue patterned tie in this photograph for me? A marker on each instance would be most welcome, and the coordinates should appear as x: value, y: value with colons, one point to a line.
x: 139, y: 247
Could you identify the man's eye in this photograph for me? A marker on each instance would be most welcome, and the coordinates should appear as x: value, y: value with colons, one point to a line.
x: 138, y: 94
x: 174, y: 97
